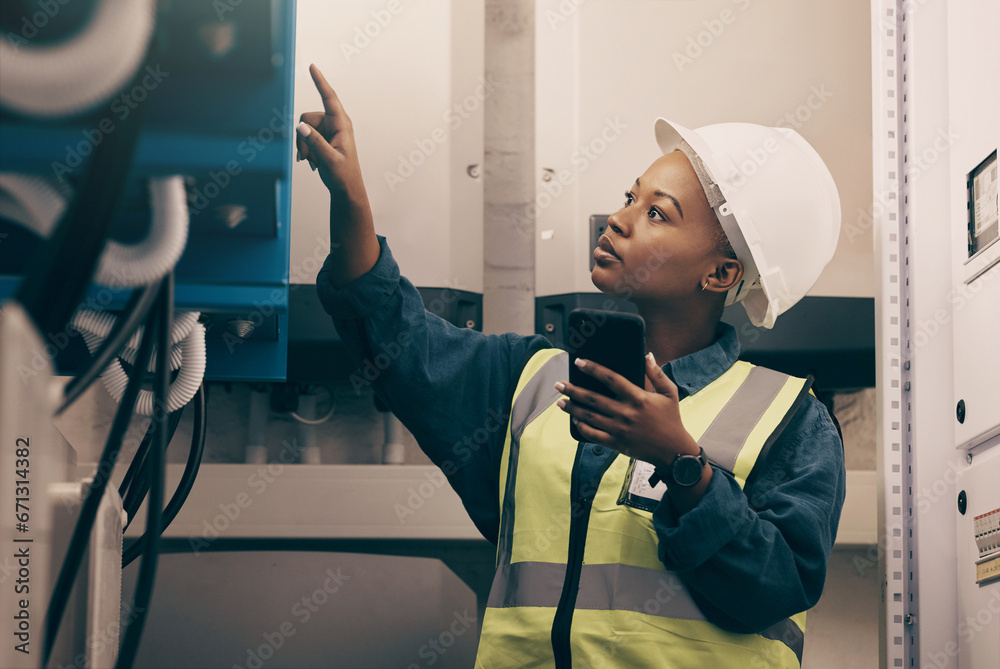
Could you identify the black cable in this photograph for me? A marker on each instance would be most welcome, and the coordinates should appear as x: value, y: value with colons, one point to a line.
x: 132, y: 633
x: 138, y: 486
x: 135, y: 312
x: 95, y: 492
x: 138, y: 463
x: 187, y: 478
x: 62, y: 268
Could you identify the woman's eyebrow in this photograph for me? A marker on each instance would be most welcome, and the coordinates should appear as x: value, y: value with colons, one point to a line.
x: 661, y: 194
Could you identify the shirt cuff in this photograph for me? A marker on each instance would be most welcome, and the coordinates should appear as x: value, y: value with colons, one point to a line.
x: 687, y: 541
x: 366, y: 294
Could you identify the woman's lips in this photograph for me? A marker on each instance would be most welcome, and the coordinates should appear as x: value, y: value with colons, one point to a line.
x: 605, y: 251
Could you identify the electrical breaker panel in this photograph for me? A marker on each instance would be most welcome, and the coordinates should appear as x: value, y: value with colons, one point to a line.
x: 978, y: 529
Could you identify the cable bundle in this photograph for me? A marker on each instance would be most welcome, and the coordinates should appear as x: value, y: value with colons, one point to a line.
x: 186, y: 353
x: 38, y: 204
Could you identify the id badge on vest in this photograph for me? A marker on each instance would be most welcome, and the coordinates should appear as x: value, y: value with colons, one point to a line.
x: 636, y: 491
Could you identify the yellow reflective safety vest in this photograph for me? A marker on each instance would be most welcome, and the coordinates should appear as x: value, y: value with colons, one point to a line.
x: 579, y: 583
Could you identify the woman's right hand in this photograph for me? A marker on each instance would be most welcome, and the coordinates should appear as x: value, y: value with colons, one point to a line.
x: 326, y: 140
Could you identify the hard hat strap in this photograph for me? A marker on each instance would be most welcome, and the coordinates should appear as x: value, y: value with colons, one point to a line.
x: 736, y: 239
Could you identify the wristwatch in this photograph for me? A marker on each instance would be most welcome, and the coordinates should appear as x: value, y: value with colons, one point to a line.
x: 685, y: 471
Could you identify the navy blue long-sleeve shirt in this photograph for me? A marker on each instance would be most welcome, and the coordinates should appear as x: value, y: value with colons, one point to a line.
x: 747, y: 562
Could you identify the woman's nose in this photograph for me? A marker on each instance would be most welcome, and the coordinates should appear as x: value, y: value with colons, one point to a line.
x: 618, y: 222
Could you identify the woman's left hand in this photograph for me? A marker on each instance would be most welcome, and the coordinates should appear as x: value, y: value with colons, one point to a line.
x: 644, y: 424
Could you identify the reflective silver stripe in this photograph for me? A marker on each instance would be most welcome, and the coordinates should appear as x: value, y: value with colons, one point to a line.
x: 527, y: 584
x: 603, y: 587
x: 788, y: 633
x: 623, y: 587
x: 537, y: 395
x: 614, y: 587
x: 728, y: 432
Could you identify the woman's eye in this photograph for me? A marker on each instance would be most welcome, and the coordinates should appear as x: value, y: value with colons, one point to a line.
x: 654, y: 213
x: 629, y: 198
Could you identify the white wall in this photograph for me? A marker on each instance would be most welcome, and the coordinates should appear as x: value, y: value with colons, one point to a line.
x: 400, y: 68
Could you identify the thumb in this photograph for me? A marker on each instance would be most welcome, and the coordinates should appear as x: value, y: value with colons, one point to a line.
x: 319, y: 149
x: 661, y: 382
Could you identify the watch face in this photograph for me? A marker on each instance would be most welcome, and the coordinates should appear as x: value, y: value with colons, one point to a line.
x: 687, y: 470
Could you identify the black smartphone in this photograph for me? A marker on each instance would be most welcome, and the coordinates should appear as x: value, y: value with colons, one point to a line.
x: 609, y: 338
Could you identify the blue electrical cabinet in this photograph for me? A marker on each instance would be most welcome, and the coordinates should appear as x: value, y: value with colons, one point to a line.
x: 217, y: 108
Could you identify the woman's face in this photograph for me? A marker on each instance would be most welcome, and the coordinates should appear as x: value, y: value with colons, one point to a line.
x: 663, y: 242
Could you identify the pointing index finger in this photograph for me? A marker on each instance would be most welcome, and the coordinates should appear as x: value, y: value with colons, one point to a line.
x: 331, y: 103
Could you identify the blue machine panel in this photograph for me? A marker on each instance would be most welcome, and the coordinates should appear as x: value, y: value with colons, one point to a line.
x: 217, y: 108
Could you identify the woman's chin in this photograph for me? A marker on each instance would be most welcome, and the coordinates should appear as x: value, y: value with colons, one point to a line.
x: 609, y: 283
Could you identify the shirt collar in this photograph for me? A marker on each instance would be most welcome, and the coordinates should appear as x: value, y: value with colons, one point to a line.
x: 696, y: 370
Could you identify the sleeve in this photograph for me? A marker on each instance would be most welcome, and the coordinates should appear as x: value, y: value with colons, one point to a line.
x: 751, y: 562
x: 449, y: 386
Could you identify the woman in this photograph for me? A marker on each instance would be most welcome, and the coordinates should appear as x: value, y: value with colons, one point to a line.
x: 599, y: 563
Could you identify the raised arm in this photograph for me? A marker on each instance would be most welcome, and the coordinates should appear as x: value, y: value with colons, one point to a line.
x: 450, y: 386
x: 326, y: 140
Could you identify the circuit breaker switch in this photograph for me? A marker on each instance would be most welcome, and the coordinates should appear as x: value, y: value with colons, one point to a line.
x: 987, y: 530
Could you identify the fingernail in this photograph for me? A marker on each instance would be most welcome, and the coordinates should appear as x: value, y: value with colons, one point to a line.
x: 312, y: 166
x: 561, y: 403
x: 560, y: 386
x: 576, y: 421
x: 298, y: 156
x: 652, y: 358
x: 581, y: 363
x: 304, y: 129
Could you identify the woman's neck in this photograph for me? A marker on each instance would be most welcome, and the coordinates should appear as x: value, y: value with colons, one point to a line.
x: 674, y: 334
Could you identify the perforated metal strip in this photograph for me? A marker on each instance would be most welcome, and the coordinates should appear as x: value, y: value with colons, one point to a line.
x: 890, y: 212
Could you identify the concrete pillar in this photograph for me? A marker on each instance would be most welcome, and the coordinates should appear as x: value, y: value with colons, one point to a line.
x: 509, y: 143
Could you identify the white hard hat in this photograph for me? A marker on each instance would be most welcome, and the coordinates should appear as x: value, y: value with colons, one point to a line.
x: 776, y: 201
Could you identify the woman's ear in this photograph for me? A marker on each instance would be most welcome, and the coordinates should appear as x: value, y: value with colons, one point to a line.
x: 727, y: 275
